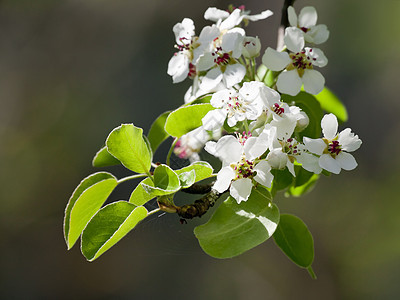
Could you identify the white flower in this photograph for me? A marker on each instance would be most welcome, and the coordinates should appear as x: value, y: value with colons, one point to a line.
x: 306, y: 26
x: 284, y: 152
x: 226, y: 20
x: 251, y: 47
x: 298, y: 69
x: 219, y: 58
x: 237, y: 106
x: 239, y: 165
x: 333, y: 148
x: 179, y: 66
x: 189, y: 145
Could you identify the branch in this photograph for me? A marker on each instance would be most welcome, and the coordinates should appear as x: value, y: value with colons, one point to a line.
x: 284, y: 23
x: 197, y: 209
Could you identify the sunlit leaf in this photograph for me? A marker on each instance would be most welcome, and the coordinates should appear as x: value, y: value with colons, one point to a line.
x: 235, y: 228
x: 166, y: 182
x: 85, y: 201
x: 127, y: 144
x: 108, y: 226
x: 202, y: 170
x: 139, y: 196
x: 186, y: 119
x: 187, y: 178
x: 331, y: 104
x: 104, y: 159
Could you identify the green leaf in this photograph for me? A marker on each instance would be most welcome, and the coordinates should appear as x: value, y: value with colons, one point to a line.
x: 331, y: 104
x: 295, y: 240
x: 166, y: 182
x: 104, y: 159
x: 282, y: 179
x: 186, y: 119
x: 157, y: 133
x: 109, y: 226
x: 309, y: 104
x: 127, y: 144
x: 297, y: 191
x: 235, y: 228
x: 139, y: 196
x: 261, y: 72
x: 202, y: 170
x: 200, y: 100
x: 187, y: 178
x: 85, y: 201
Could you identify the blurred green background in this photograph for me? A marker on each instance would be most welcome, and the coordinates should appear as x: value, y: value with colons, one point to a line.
x: 71, y: 71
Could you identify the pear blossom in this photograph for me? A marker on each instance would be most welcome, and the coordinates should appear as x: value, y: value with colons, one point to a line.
x: 179, y: 66
x: 298, y: 69
x: 284, y: 152
x: 334, y: 147
x: 235, y: 106
x: 220, y: 59
x: 305, y: 25
x: 189, y: 145
x: 227, y: 20
x: 240, y: 165
x: 251, y: 47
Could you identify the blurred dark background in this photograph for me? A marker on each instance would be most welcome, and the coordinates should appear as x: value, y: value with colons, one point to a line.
x: 71, y: 71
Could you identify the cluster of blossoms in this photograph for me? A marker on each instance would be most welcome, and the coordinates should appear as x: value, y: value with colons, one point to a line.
x: 254, y: 130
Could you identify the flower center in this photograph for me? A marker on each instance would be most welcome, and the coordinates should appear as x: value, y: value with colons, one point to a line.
x: 278, y: 109
x: 300, y: 62
x: 289, y: 146
x: 244, y: 169
x: 235, y: 104
x: 304, y: 29
x: 192, y: 71
x: 186, y: 44
x: 221, y: 58
x: 334, y: 148
x: 243, y: 137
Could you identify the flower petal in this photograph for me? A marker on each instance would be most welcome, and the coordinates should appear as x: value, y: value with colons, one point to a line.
x: 329, y: 126
x: 348, y: 140
x: 313, y: 81
x: 184, y: 31
x: 261, y: 16
x: 292, y: 16
x: 214, y: 14
x: 255, y: 147
x: 275, y: 60
x: 317, y: 34
x: 229, y: 149
x: 328, y: 163
x: 264, y: 175
x: 294, y: 39
x: 241, y: 189
x: 316, y: 146
x: 308, y: 17
x: 224, y: 178
x: 211, y: 80
x: 234, y: 74
x: 289, y: 82
x: 309, y: 162
x: 232, y: 41
x: 346, y: 161
x: 234, y: 19
x: 220, y: 98
x: 214, y: 119
x: 318, y: 57
x: 178, y: 67
x: 205, y: 62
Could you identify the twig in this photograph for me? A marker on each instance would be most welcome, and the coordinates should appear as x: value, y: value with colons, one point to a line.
x: 284, y: 23
x: 197, y: 209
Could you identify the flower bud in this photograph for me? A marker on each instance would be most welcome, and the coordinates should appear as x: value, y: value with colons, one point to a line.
x: 277, y: 159
x: 302, y: 121
x: 251, y: 47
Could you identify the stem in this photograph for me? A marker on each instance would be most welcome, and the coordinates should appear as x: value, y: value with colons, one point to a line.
x: 153, y: 211
x: 131, y: 177
x: 246, y: 126
x: 311, y: 272
x: 253, y: 63
x: 284, y: 23
x: 168, y: 160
